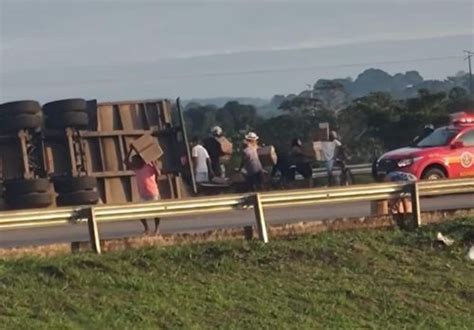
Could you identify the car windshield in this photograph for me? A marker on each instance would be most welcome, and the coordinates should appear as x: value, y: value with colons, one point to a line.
x: 440, y: 137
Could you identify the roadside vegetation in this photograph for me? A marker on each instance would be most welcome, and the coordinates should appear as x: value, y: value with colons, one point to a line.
x: 366, y: 278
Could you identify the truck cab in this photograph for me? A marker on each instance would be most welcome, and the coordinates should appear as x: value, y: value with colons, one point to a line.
x: 448, y: 152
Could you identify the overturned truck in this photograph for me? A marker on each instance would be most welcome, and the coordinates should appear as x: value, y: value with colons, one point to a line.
x: 72, y: 152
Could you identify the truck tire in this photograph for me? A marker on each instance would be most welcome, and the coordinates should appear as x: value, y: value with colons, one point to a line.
x: 76, y: 119
x: 3, y: 205
x: 433, y: 173
x: 28, y: 201
x: 84, y: 197
x: 26, y: 107
x: 67, y: 105
x: 24, y: 186
x: 67, y: 184
x: 18, y: 122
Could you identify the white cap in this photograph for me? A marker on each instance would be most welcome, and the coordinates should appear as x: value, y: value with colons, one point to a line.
x: 251, y: 136
x: 216, y: 130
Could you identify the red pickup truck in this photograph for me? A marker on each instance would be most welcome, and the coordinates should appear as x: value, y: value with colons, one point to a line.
x: 448, y: 152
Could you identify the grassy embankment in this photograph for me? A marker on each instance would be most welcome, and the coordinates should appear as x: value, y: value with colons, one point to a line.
x: 376, y: 278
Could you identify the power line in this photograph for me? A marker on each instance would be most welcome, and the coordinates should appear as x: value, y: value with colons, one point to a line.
x: 256, y: 71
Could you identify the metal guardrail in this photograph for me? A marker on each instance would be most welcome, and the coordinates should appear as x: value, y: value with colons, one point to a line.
x: 355, y: 169
x: 260, y: 201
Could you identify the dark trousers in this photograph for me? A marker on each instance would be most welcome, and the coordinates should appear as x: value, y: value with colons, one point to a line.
x: 255, y: 181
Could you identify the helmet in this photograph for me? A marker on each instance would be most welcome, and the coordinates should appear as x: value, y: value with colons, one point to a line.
x: 216, y: 130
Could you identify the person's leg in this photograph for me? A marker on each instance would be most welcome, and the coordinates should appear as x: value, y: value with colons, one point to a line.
x: 250, y: 182
x: 145, y: 225
x: 329, y: 166
x: 157, y: 225
x: 216, y: 167
x: 259, y: 177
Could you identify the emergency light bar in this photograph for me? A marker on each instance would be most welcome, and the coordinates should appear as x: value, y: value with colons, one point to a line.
x: 462, y: 118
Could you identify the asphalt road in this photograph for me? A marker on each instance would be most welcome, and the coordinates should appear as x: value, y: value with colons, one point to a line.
x: 198, y: 223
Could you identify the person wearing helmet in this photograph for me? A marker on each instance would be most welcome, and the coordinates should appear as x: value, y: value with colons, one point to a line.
x: 214, y: 150
x: 427, y: 130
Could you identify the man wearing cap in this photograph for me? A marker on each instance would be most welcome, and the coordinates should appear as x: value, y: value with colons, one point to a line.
x: 251, y: 162
x: 213, y: 147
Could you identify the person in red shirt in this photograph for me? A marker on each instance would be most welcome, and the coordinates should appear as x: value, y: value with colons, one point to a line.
x: 146, y: 176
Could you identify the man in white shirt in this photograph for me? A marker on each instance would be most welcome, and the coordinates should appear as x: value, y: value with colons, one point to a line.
x: 201, y: 161
x: 330, y: 150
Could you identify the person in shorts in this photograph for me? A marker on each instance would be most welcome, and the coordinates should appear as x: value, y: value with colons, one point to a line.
x: 146, y: 175
x: 330, y: 151
x: 201, y: 161
x: 251, y: 163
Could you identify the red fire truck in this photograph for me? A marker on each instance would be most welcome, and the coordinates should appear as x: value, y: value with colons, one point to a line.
x: 446, y: 153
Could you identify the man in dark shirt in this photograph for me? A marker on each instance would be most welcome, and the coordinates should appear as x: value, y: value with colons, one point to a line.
x: 213, y: 148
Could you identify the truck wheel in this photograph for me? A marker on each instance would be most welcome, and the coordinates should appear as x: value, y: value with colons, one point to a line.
x: 20, y: 107
x: 24, y: 186
x: 18, y: 122
x: 28, y: 201
x: 67, y: 184
x: 68, y: 105
x: 66, y: 119
x: 433, y: 174
x: 84, y: 197
x: 3, y: 204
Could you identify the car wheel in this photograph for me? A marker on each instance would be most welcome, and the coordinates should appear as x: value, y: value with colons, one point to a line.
x: 32, y: 200
x: 66, y: 119
x: 20, y: 108
x: 68, y: 105
x: 24, y: 186
x: 67, y: 184
x: 433, y: 174
x: 85, y: 197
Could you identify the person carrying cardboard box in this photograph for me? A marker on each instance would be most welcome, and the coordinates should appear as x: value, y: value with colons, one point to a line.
x: 219, y: 148
x: 251, y: 162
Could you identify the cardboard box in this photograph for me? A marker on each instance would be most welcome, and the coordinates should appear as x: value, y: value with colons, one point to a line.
x: 148, y: 148
x: 226, y: 146
x: 267, y: 155
x: 323, y: 132
x: 314, y: 150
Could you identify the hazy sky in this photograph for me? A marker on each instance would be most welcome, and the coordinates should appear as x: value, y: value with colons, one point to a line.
x: 135, y: 48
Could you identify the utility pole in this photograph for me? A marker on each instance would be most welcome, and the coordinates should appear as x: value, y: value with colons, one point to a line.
x: 469, y: 54
x: 310, y: 87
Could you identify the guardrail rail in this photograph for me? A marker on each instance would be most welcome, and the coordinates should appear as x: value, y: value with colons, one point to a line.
x: 258, y: 201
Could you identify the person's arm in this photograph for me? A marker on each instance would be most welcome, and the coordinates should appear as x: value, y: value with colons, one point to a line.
x: 194, y: 156
x: 241, y: 166
x: 127, y: 158
x: 157, y: 169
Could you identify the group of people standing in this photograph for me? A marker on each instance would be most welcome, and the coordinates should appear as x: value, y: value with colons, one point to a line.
x: 207, y: 158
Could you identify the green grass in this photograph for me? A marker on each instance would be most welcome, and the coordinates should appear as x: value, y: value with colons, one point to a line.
x: 375, y: 279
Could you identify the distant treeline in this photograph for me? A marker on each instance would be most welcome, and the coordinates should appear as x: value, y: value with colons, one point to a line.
x: 369, y: 124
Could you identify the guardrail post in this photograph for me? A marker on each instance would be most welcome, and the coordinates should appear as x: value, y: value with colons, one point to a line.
x: 260, y: 217
x: 93, y: 230
x: 415, y: 202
